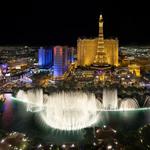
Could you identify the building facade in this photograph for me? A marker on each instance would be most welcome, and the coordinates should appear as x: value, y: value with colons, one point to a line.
x: 60, y: 60
x: 134, y: 69
x: 111, y: 47
x: 41, y: 56
x: 45, y: 57
x: 98, y: 50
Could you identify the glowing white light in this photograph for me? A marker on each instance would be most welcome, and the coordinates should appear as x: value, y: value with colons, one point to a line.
x: 98, y: 130
x: 64, y: 111
x: 63, y: 146
x: 114, y: 131
x: 116, y: 142
x: 24, y: 139
x: 71, y: 111
x: 39, y: 145
x: 94, y: 143
x: 10, y: 145
x: 72, y: 145
x: 110, y: 99
x: 109, y: 147
x: 3, y: 140
x: 33, y: 99
x: 128, y: 76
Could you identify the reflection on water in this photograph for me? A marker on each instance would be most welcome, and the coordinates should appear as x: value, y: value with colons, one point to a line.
x: 7, y: 117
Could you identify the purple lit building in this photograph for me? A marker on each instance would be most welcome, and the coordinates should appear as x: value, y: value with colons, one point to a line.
x: 60, y: 60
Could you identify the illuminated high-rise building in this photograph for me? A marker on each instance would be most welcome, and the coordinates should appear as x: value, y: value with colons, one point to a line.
x: 63, y: 56
x: 45, y: 57
x: 97, y: 51
x: 48, y: 57
x: 41, y: 56
x: 60, y: 60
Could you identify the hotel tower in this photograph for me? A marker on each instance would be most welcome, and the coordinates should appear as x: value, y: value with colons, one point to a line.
x: 97, y: 51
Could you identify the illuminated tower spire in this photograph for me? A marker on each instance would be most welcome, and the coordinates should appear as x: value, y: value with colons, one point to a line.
x: 100, y: 57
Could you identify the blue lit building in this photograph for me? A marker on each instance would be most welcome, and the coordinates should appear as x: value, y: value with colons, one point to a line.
x: 48, y: 57
x: 41, y: 56
x: 45, y: 57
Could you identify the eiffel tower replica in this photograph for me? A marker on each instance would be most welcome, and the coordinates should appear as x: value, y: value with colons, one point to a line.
x: 100, y: 58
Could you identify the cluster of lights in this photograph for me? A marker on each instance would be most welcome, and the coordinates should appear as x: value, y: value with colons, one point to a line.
x: 141, y: 135
x: 108, y: 147
x: 22, y: 145
x: 71, y: 146
x: 63, y: 146
x: 101, y: 141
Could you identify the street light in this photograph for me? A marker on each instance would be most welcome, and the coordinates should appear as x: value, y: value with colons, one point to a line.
x: 109, y: 147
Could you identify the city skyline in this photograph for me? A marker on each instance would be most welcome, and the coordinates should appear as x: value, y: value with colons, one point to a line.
x: 46, y: 23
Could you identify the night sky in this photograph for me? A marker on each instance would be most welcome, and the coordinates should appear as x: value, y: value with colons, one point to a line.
x: 60, y: 22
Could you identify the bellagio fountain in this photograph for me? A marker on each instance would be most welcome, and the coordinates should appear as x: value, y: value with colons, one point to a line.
x: 73, y: 110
